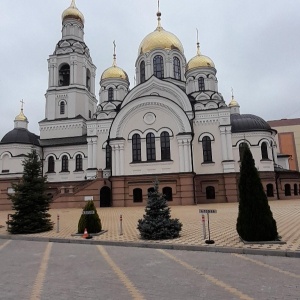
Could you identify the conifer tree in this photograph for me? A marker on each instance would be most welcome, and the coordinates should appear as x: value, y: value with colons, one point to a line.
x: 89, y: 220
x: 255, y: 220
x: 157, y: 223
x: 29, y: 201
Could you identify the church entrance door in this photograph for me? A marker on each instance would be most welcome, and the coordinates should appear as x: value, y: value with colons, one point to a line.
x: 105, y: 197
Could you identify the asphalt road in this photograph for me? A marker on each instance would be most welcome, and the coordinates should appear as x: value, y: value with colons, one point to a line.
x: 40, y: 270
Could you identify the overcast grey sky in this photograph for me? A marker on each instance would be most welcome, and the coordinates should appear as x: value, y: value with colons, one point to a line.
x: 255, y: 45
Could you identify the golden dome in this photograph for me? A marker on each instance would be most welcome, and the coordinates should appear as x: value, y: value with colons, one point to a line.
x: 73, y: 12
x: 160, y: 39
x: 21, y: 116
x: 199, y: 61
x: 114, y: 72
x: 233, y: 102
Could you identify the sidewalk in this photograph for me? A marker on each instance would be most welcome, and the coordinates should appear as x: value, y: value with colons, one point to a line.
x: 222, y: 225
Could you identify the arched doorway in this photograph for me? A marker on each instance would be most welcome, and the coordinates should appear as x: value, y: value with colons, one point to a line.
x: 105, y: 197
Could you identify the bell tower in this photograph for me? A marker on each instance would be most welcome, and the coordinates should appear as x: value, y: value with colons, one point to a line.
x: 70, y: 97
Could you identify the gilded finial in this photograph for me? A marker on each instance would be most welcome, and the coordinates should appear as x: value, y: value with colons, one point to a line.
x: 158, y: 14
x: 114, y: 56
x: 21, y: 116
x: 22, y: 103
x: 232, y: 96
x: 198, y: 44
x: 73, y: 4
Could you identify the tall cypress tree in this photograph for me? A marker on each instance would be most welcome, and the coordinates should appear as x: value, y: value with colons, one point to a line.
x: 30, y: 202
x: 157, y: 223
x: 255, y: 220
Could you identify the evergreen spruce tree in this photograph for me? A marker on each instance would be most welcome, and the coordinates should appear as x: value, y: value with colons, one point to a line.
x: 30, y: 202
x: 91, y: 222
x: 255, y: 220
x: 157, y: 223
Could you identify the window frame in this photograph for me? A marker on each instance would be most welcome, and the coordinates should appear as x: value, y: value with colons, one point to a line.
x: 51, y: 164
x: 78, y: 163
x: 165, y: 149
x: 142, y: 71
x: 201, y: 84
x: 137, y: 195
x: 150, y: 147
x: 176, y: 68
x: 65, y: 163
x: 136, y: 148
x: 158, y: 66
x: 207, y: 149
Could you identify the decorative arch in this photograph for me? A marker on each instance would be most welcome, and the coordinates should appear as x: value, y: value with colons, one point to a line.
x: 6, y: 153
x: 202, y: 135
x: 64, y: 75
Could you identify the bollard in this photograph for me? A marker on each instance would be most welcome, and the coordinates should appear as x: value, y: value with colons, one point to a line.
x: 121, y: 226
x: 203, y: 226
x: 57, y: 224
x: 8, y: 216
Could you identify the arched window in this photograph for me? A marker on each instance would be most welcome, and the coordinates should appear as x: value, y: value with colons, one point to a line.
x: 167, y: 191
x: 142, y: 72
x: 108, y: 156
x: 137, y: 195
x: 150, y: 142
x: 206, y: 147
x: 295, y: 189
x: 136, y: 148
x: 165, y: 145
x: 78, y: 165
x: 210, y: 192
x: 51, y: 165
x: 270, y: 190
x: 158, y: 66
x: 150, y: 190
x: 64, y: 75
x: 110, y: 94
x: 201, y: 84
x: 242, y: 148
x: 62, y: 107
x: 65, y: 164
x: 176, y: 68
x: 287, y: 189
x: 264, y: 151
x: 88, y: 79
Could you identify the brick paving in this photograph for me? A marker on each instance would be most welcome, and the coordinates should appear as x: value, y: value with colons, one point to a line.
x: 222, y: 225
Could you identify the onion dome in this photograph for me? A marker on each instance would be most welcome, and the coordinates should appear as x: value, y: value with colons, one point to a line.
x: 114, y: 71
x: 199, y: 61
x: 233, y: 102
x: 247, y: 122
x: 21, y: 116
x: 72, y: 12
x: 160, y: 39
x: 20, y: 136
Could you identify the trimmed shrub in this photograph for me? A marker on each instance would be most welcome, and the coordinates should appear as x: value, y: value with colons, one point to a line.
x: 91, y: 222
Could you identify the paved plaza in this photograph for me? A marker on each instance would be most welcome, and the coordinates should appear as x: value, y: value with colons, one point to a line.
x: 222, y: 225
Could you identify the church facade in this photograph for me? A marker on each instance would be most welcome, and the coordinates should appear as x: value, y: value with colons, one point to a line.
x: 173, y: 125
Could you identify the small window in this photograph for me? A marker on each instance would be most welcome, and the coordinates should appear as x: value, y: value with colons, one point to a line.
x: 137, y: 195
x: 242, y: 148
x: 90, y: 114
x: 142, y: 72
x: 295, y: 189
x: 264, y: 151
x: 110, y: 94
x: 270, y: 190
x: 65, y: 164
x: 136, y: 148
x: 62, y: 107
x: 167, y: 191
x: 108, y: 156
x: 287, y: 190
x: 51, y: 165
x: 88, y: 80
x: 158, y: 66
x: 201, y: 84
x: 210, y: 192
x: 176, y: 68
x: 165, y: 146
x: 206, y: 147
x: 64, y: 75
x: 78, y: 162
x: 150, y: 143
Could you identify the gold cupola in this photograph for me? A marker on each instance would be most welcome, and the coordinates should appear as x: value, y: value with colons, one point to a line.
x: 160, y: 39
x: 114, y: 71
x: 21, y: 116
x: 72, y: 12
x: 199, y: 61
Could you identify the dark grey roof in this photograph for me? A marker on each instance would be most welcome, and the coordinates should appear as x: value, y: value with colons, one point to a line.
x: 247, y: 122
x: 20, y: 136
x: 76, y: 140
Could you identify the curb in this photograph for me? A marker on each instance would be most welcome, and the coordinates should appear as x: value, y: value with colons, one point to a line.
x: 208, y: 248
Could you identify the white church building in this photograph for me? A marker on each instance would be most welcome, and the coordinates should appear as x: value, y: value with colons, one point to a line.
x: 173, y: 125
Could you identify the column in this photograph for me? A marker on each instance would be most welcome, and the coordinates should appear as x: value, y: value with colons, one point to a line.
x: 55, y: 75
x: 93, y: 78
x: 186, y: 155
x: 113, y: 160
x: 94, y: 152
x: 121, y: 159
x: 75, y: 73
x: 181, y: 156
x: 223, y: 142
x: 117, y: 160
x: 84, y: 75
x: 90, y: 154
x: 229, y: 143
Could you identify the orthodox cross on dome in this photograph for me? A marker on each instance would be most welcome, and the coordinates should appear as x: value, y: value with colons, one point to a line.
x: 22, y: 103
x: 232, y: 96
x: 158, y: 16
x: 73, y: 4
x: 198, y: 44
x: 114, y: 56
